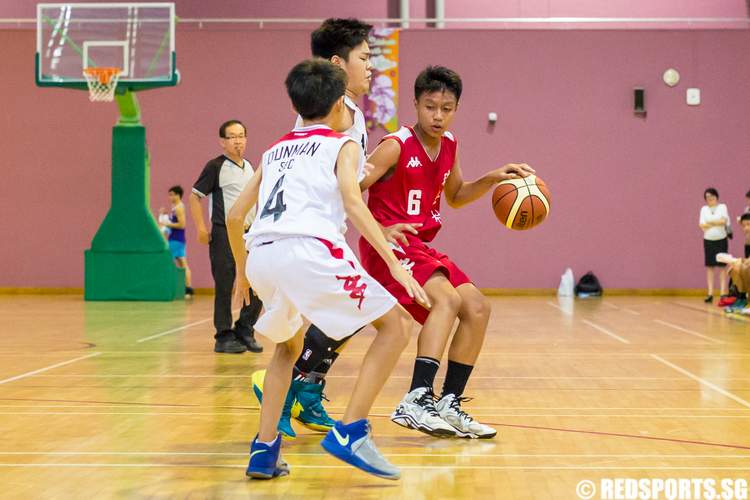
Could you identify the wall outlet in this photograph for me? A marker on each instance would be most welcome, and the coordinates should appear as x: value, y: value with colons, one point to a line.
x: 693, y: 97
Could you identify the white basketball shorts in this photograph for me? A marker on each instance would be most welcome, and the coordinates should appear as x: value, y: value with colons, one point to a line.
x: 317, y: 279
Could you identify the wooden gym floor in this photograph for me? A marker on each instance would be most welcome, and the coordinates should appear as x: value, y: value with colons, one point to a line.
x: 128, y: 400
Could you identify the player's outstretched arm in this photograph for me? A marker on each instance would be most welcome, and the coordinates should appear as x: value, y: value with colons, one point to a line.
x: 359, y: 214
x: 381, y: 161
x: 236, y: 228
x: 459, y: 192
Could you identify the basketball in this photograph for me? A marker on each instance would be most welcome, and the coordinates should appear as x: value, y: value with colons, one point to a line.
x: 521, y: 204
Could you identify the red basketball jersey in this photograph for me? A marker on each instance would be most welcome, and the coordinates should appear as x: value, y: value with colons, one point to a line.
x: 412, y: 194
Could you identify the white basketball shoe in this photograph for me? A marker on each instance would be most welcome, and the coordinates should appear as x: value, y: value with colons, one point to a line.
x: 449, y: 409
x: 417, y: 411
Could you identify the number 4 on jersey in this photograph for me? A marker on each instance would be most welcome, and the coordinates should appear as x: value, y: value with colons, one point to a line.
x: 277, y: 195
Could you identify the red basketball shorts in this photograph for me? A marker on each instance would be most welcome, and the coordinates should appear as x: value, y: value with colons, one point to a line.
x: 421, y: 261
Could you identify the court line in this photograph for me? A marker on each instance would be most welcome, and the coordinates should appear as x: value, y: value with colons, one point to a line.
x: 340, y: 409
x: 506, y: 354
x: 702, y: 381
x: 405, y: 377
x: 690, y: 332
x: 432, y: 455
x: 46, y: 368
x: 565, y: 312
x: 631, y: 311
x: 618, y: 434
x: 372, y: 415
x: 713, y: 312
x: 606, y: 332
x: 349, y: 467
x: 173, y: 330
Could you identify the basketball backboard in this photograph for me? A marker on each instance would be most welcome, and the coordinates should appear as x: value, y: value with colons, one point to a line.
x: 137, y: 38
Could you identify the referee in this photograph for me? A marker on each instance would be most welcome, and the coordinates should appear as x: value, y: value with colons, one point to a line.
x: 221, y: 181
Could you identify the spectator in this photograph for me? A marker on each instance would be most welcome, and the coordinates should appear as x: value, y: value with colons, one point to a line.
x: 740, y: 219
x: 714, y: 221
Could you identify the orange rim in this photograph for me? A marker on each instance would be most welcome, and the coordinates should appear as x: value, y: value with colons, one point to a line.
x: 103, y: 74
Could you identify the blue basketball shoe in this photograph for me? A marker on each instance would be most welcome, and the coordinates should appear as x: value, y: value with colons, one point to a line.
x: 266, y: 461
x: 354, y: 445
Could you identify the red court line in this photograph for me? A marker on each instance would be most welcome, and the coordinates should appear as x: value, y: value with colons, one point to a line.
x: 126, y: 403
x: 615, y: 434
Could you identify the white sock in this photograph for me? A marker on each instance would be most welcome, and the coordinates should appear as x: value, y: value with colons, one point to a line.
x: 269, y: 444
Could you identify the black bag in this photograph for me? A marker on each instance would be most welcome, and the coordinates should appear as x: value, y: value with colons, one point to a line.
x: 588, y: 285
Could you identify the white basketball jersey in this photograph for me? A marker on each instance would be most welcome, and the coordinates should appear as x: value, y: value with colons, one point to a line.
x: 299, y: 194
x: 358, y: 130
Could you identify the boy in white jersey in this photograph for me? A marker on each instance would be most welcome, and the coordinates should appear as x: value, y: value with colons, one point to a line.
x: 303, y: 270
x: 344, y: 43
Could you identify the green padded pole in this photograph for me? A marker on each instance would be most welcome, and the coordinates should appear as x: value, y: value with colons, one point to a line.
x: 129, y: 259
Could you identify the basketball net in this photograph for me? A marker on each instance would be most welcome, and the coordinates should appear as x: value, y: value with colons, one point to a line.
x: 102, y: 83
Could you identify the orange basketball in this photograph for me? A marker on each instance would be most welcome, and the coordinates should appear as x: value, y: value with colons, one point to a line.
x: 521, y: 203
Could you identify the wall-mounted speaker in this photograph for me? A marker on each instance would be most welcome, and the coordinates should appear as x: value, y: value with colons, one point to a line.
x: 639, y: 101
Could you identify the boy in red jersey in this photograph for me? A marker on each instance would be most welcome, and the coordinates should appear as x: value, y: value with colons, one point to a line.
x: 412, y: 168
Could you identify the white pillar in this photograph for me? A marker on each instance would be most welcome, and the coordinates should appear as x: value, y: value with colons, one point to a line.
x: 404, y: 8
x: 440, y: 13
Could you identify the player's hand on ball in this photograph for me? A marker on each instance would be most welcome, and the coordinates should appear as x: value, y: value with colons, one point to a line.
x: 395, y: 233
x: 513, y: 171
x: 241, y: 294
x: 410, y: 285
x: 204, y: 237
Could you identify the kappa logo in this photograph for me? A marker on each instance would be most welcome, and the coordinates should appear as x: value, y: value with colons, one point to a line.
x: 396, y: 247
x: 351, y: 285
x: 408, y: 265
x: 414, y: 162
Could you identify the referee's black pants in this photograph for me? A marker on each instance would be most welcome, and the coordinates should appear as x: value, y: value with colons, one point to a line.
x: 223, y: 271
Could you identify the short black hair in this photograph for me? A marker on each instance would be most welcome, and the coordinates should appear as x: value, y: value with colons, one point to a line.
x: 712, y: 191
x: 176, y: 190
x: 314, y: 86
x: 337, y: 37
x: 745, y: 216
x: 747, y: 195
x: 438, y: 79
x: 227, y: 124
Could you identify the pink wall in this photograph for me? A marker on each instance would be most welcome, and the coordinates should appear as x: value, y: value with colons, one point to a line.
x: 626, y: 190
x: 419, y: 8
x: 251, y: 8
x: 597, y: 8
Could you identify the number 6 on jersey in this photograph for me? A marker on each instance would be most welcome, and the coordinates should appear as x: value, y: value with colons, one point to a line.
x: 414, y: 200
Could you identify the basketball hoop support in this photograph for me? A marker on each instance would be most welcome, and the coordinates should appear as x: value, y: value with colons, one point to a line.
x: 130, y: 111
x: 128, y: 258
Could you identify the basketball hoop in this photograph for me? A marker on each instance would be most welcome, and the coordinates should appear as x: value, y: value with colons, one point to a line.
x: 102, y: 83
